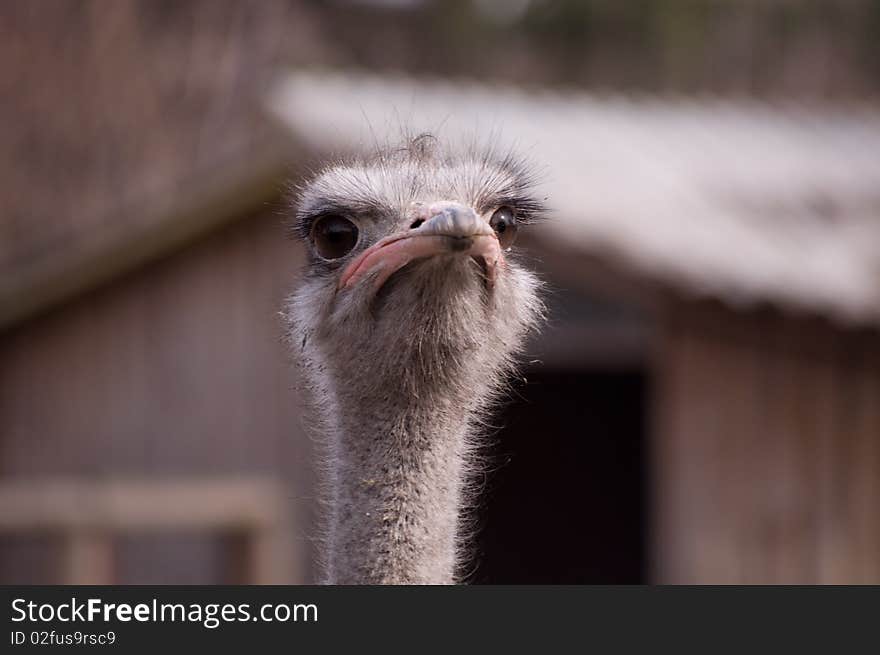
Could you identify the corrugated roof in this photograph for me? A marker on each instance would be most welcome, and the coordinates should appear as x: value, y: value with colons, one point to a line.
x: 737, y: 200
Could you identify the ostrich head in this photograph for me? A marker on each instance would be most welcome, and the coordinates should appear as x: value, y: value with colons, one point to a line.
x: 404, y: 325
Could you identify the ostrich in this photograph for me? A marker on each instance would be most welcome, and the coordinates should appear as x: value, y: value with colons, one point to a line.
x: 405, y: 327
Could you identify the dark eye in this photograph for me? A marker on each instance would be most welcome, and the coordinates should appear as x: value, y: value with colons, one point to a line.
x: 334, y: 236
x: 504, y: 223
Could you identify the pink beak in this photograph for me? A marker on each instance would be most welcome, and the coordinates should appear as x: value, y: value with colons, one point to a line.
x: 448, y: 227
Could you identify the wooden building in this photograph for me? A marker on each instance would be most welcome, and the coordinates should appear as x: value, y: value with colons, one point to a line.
x: 715, y: 276
x: 703, y: 405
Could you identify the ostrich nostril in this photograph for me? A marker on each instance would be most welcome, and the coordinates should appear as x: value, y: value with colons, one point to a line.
x: 416, y: 223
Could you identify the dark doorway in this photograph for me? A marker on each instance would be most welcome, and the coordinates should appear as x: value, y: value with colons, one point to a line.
x: 565, y: 497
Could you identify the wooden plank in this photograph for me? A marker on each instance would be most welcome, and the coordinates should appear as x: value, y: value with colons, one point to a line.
x: 668, y: 524
x: 742, y: 385
x: 864, y: 468
x: 818, y: 427
x: 132, y: 506
x: 790, y: 553
x: 684, y: 455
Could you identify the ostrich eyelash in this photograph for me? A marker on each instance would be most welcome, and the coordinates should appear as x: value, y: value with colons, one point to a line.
x: 527, y: 209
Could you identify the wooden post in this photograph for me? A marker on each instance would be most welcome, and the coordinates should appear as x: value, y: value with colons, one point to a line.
x: 87, y: 558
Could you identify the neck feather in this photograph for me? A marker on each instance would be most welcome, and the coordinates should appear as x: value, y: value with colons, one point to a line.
x: 397, y: 476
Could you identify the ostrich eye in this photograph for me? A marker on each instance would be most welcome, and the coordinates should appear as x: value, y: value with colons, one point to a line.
x: 504, y: 223
x: 334, y: 236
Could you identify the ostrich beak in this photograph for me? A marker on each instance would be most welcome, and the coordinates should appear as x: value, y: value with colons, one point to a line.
x: 442, y: 228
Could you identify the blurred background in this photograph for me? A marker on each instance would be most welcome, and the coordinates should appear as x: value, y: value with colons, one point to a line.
x: 703, y: 406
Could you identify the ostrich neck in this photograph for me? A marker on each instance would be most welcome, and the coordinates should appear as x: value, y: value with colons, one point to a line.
x: 396, y: 482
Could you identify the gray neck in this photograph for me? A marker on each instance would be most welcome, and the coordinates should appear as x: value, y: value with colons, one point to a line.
x: 396, y: 477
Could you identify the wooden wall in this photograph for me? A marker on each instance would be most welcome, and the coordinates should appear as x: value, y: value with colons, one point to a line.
x: 174, y: 371
x: 765, y: 447
x: 766, y: 450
